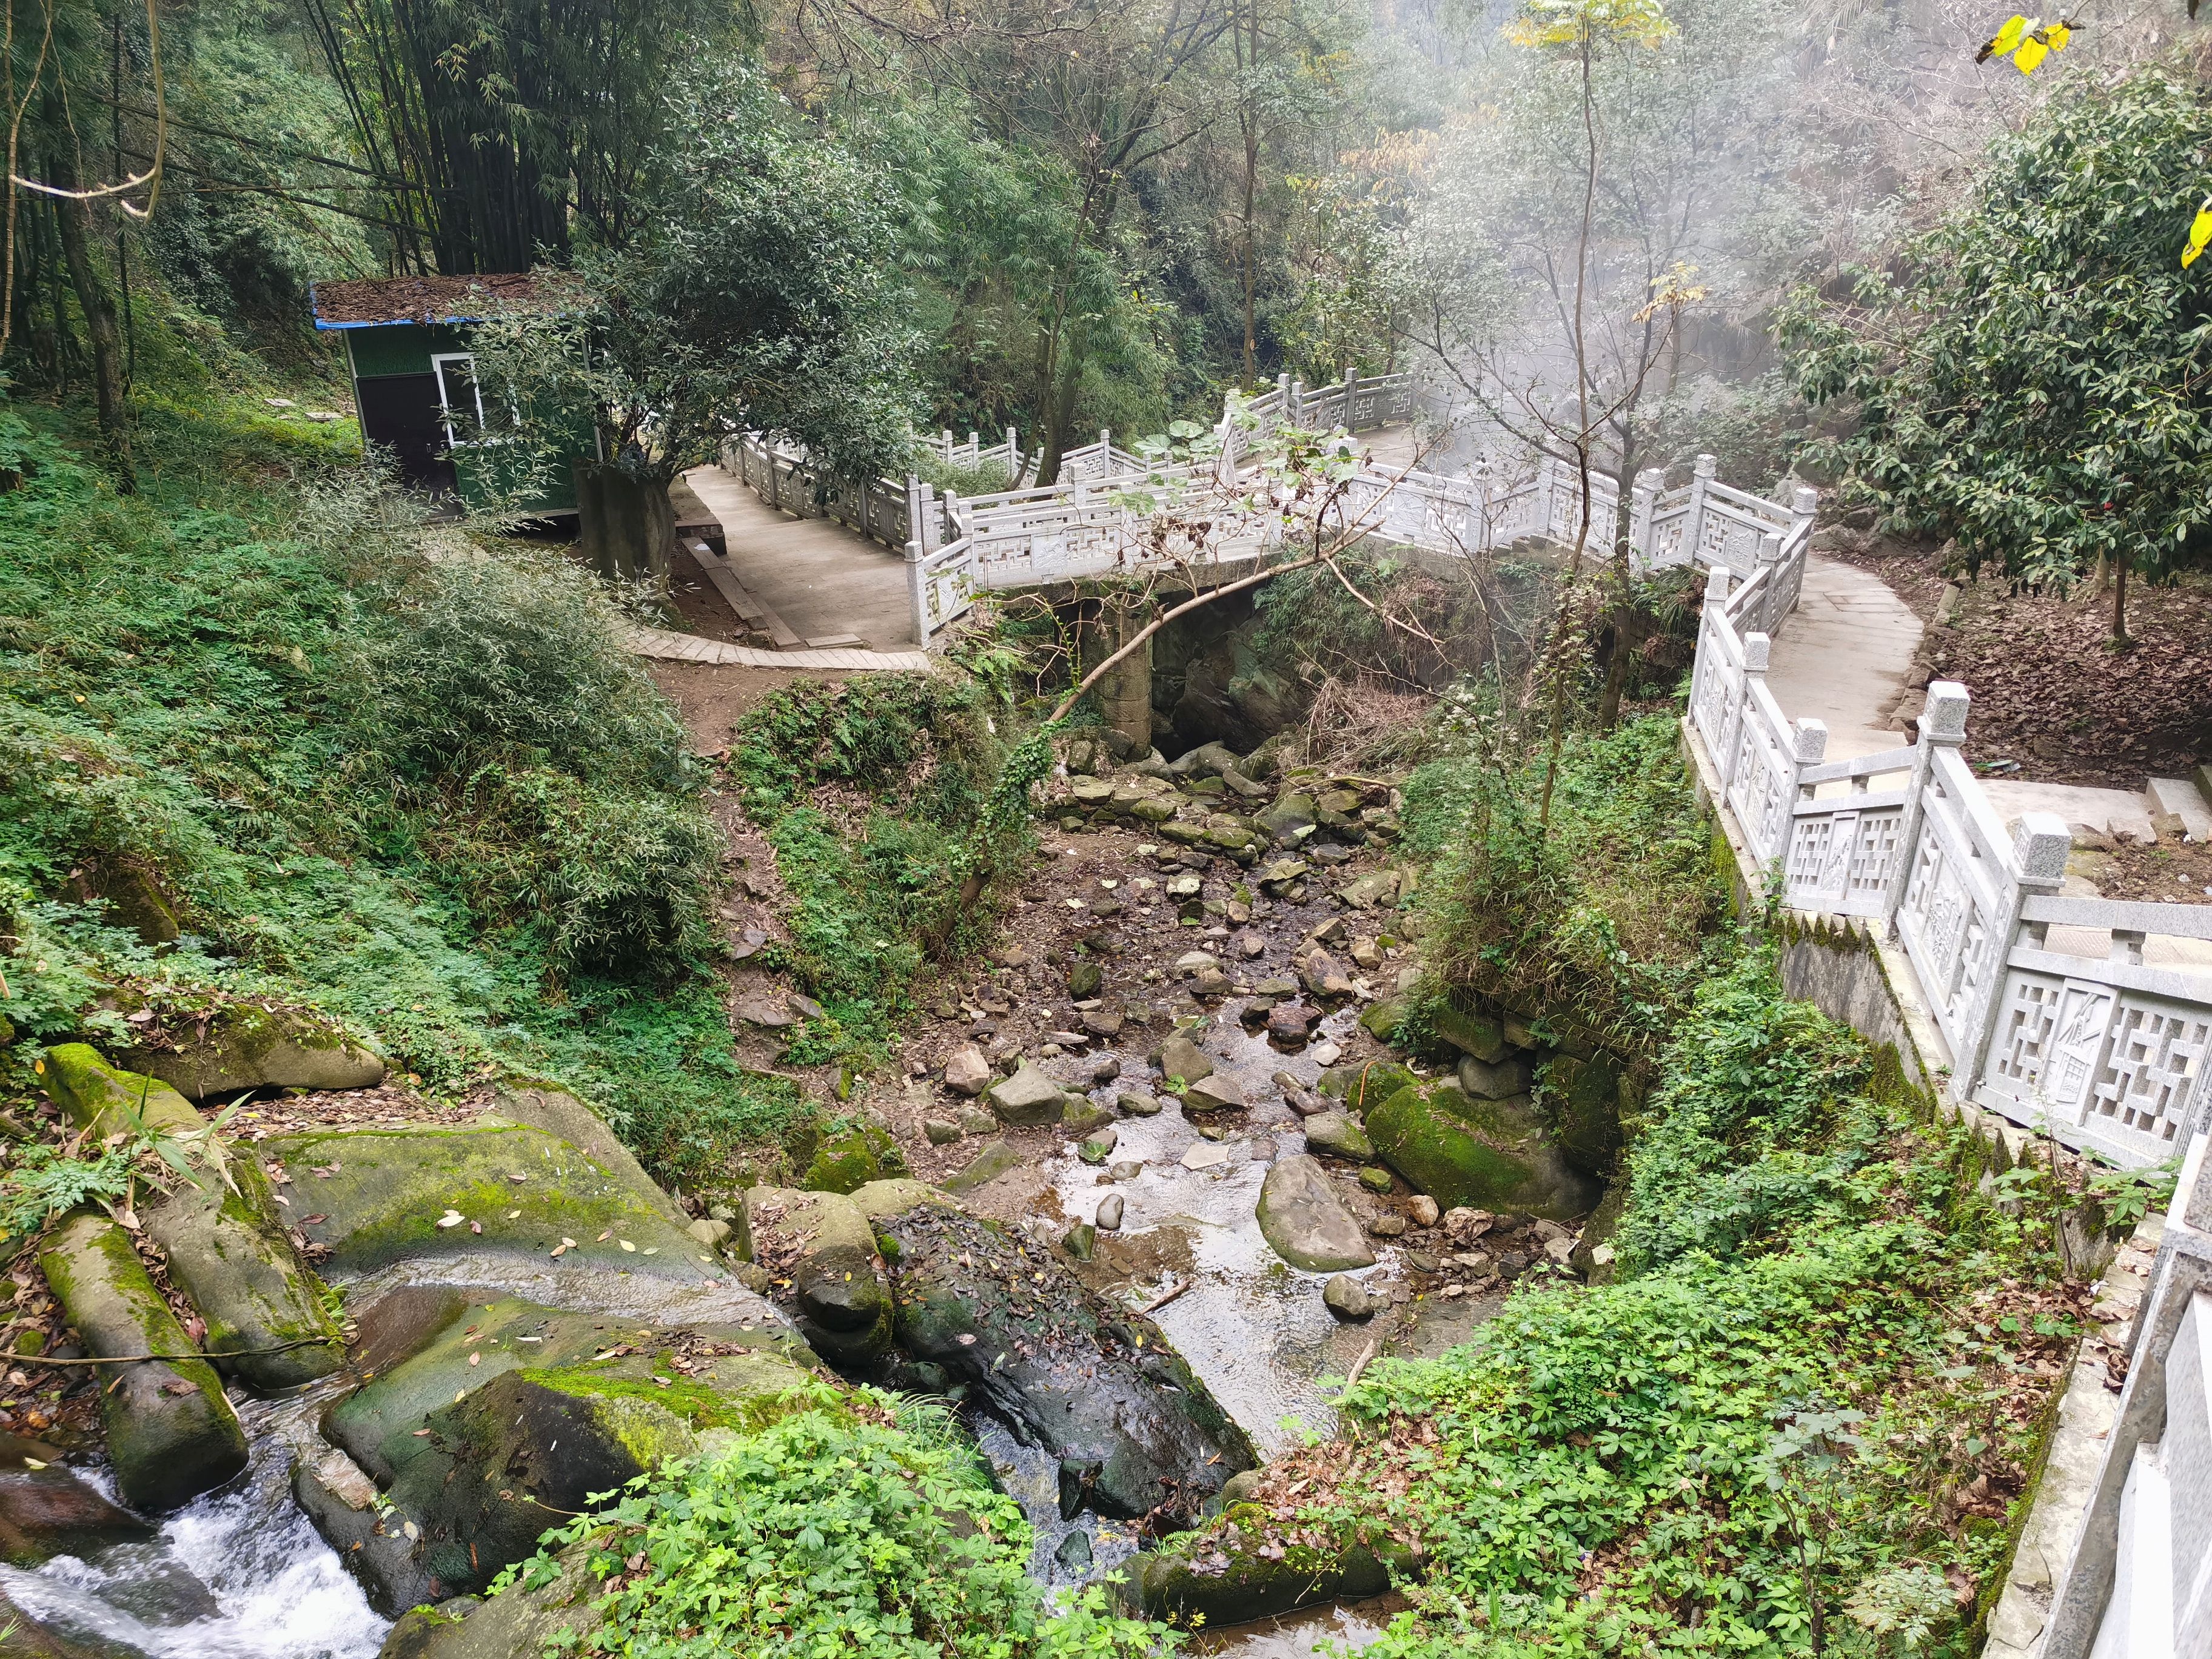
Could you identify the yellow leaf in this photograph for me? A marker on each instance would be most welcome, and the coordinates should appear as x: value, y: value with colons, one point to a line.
x: 2031, y: 53
x: 2058, y: 33
x: 2004, y: 40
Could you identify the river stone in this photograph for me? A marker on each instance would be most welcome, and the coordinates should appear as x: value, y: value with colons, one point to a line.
x: 1381, y: 1019
x: 1376, y: 1179
x: 49, y: 1511
x: 1489, y: 1154
x: 387, y: 1191
x: 1137, y: 1105
x: 966, y: 1071
x: 1423, y: 1210
x: 247, y: 1047
x: 1082, y: 1114
x: 1335, y: 1135
x: 994, y: 1160
x: 1363, y: 1088
x: 1098, y: 1388
x: 941, y: 1131
x: 1291, y: 812
x: 822, y: 1243
x: 1309, y: 1226
x: 1098, y: 1145
x: 1084, y: 978
x: 1180, y: 1057
x: 1289, y: 1022
x: 1324, y: 976
x: 228, y: 1252
x: 1029, y: 1095
x: 1214, y: 1093
x: 1347, y: 1298
x: 1110, y: 1209
x: 171, y: 1434
x: 1485, y: 1081
x: 101, y: 1099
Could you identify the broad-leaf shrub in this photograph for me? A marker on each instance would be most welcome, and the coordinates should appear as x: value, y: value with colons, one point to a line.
x: 860, y: 1526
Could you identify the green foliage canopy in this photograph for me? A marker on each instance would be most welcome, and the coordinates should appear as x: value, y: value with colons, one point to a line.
x: 2033, y: 383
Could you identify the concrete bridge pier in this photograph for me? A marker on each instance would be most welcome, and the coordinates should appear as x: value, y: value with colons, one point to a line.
x: 1125, y: 693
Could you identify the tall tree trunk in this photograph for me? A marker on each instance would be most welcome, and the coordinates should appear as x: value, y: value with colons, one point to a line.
x: 93, y: 299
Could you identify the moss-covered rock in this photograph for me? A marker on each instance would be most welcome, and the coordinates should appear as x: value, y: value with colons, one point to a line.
x: 1585, y: 1101
x: 103, y: 1099
x: 171, y: 1434
x: 1472, y: 1034
x: 1235, y: 1571
x: 1488, y: 1154
x: 244, y: 1046
x: 853, y: 1157
x: 1363, y: 1088
x: 421, y: 1195
x: 228, y: 1252
x: 47, y: 1511
x: 549, y: 1618
x: 820, y: 1249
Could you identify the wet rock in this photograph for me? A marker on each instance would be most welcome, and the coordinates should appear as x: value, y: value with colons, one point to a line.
x: 1489, y: 1153
x: 1029, y: 1095
x: 1335, y: 1135
x: 1217, y: 1092
x: 1304, y: 1104
x: 244, y: 1046
x: 1073, y: 1554
x: 1081, y: 1242
x: 1128, y: 1169
x: 1058, y: 1363
x: 1363, y: 1088
x: 1098, y: 1146
x: 1105, y: 1068
x: 1082, y: 1114
x: 558, y: 1614
x: 822, y: 1243
x: 229, y: 1253
x: 1485, y: 1081
x: 1211, y: 982
x: 1101, y: 1024
x: 1389, y: 1225
x: 1289, y: 1022
x: 48, y: 1511
x: 1192, y: 963
x: 941, y: 1132
x: 171, y: 1434
x: 1180, y: 1057
x: 1347, y: 1298
x: 1110, y: 1209
x: 1084, y: 978
x: 1137, y: 1105
x: 966, y: 1071
x: 1301, y: 1216
x: 995, y: 1159
x: 104, y: 1100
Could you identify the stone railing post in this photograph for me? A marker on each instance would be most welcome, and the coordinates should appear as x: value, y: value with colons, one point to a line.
x: 1643, y: 507
x: 1758, y: 649
x: 1808, y: 747
x: 1804, y: 507
x: 1942, y: 725
x: 913, y: 508
x: 1693, y: 528
x: 1770, y: 566
x: 2039, y: 848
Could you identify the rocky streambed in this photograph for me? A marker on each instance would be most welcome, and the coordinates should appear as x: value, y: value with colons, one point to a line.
x: 1176, y: 1182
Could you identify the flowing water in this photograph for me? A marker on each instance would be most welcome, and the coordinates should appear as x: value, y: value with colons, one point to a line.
x: 239, y: 1573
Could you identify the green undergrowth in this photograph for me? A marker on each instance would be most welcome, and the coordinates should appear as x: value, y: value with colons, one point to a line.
x: 876, y: 797
x: 864, y: 1527
x: 256, y: 741
x: 1607, y: 916
x: 1802, y: 1421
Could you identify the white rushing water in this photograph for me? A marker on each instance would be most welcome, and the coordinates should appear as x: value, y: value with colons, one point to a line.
x: 238, y: 1574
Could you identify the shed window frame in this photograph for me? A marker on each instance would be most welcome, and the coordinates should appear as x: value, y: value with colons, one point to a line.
x: 438, y: 362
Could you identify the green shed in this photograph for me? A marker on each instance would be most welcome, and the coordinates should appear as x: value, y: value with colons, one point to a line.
x: 415, y: 388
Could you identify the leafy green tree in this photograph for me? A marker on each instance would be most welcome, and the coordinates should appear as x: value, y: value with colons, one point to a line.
x: 756, y: 292
x: 2032, y: 385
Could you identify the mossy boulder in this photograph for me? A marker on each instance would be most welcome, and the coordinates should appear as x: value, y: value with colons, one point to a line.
x: 244, y: 1046
x: 819, y: 1249
x: 1098, y: 1387
x: 406, y: 1430
x: 853, y: 1157
x: 1470, y: 1034
x: 994, y: 1158
x: 229, y: 1253
x: 490, y: 1206
x: 171, y: 1434
x: 1363, y: 1088
x: 555, y: 1615
x: 1486, y: 1154
x: 1239, y: 1570
x: 1585, y: 1101
x: 102, y: 1099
